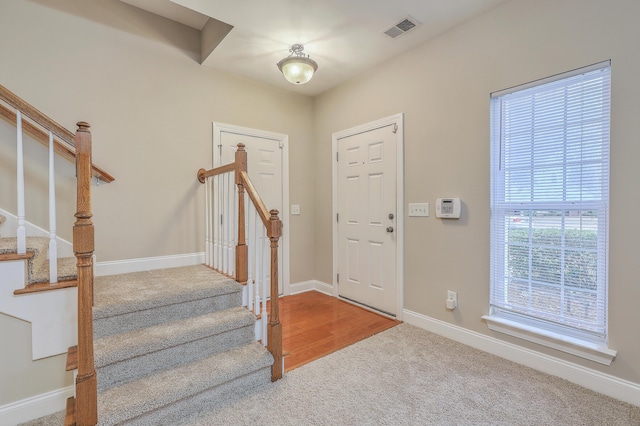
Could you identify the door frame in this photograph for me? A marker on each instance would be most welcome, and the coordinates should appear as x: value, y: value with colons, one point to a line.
x: 218, y: 129
x: 398, y: 120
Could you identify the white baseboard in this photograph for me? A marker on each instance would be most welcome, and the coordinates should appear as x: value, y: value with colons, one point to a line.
x: 148, y: 263
x: 35, y: 407
x: 597, y: 381
x: 310, y: 285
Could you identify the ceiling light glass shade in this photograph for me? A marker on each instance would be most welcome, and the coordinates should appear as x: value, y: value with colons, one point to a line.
x: 297, y: 68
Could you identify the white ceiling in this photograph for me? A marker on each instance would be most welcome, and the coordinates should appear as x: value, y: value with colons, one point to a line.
x: 343, y: 36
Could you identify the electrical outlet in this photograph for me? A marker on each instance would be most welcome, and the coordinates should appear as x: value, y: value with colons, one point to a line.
x: 295, y: 209
x: 452, y: 300
x: 419, y: 209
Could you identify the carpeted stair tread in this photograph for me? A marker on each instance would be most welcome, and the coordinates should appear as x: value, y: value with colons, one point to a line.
x: 154, y: 392
x: 38, y: 266
x: 126, y: 293
x: 67, y: 270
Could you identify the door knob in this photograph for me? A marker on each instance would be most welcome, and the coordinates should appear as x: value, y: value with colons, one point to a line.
x: 389, y: 228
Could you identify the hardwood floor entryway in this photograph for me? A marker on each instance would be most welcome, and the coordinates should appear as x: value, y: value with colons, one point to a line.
x: 315, y: 325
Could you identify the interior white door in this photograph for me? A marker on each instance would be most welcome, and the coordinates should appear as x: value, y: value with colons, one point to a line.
x: 367, y: 241
x: 265, y: 168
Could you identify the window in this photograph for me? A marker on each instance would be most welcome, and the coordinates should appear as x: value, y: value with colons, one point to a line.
x: 549, y: 206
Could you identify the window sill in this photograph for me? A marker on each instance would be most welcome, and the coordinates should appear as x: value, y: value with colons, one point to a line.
x: 575, y: 346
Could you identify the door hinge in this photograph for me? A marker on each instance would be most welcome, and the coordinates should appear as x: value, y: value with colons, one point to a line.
x: 337, y: 217
x: 220, y: 149
x: 338, y: 278
x: 336, y: 156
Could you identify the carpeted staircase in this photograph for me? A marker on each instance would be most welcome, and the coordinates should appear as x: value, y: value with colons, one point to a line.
x: 168, y: 343
x: 172, y: 342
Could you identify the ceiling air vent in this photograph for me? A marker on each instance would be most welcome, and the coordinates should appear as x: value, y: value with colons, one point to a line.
x: 402, y: 27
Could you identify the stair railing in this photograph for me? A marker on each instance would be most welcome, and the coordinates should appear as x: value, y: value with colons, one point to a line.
x: 240, y: 236
x: 76, y: 146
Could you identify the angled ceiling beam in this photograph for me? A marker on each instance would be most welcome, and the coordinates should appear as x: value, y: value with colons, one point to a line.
x: 211, y: 35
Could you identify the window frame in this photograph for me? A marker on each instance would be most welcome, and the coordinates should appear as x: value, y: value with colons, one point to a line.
x: 590, y: 344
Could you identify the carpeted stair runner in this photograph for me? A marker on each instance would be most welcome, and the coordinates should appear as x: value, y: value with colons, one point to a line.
x: 171, y: 342
x: 38, y: 265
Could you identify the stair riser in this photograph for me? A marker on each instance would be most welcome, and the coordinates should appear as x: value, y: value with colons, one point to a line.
x: 132, y: 369
x: 135, y: 320
x: 184, y: 409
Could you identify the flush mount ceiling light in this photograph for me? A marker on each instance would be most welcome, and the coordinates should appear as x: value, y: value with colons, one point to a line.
x: 297, y: 68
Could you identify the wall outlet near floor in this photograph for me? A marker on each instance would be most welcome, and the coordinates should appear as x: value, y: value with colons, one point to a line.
x: 295, y: 209
x: 419, y: 209
x: 452, y: 300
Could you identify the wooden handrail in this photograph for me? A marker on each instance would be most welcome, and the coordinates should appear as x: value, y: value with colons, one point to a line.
x: 256, y: 200
x: 61, y: 147
x: 203, y: 174
x: 33, y: 113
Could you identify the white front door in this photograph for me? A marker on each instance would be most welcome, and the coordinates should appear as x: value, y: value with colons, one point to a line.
x: 266, y: 162
x: 367, y: 218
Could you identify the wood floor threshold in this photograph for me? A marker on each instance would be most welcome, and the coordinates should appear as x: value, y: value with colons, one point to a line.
x: 72, y: 358
x: 15, y: 256
x: 315, y: 325
x: 37, y: 287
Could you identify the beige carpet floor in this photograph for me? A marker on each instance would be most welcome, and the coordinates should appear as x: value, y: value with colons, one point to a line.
x: 407, y: 376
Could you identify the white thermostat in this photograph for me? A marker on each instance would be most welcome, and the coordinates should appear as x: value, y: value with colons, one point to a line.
x: 448, y: 208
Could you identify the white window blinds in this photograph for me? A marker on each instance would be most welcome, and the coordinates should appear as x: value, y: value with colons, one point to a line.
x: 549, y: 201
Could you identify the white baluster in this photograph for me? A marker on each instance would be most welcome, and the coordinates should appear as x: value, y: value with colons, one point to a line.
x: 223, y: 218
x: 253, y: 265
x: 214, y: 220
x: 21, y: 231
x: 207, y: 221
x: 250, y: 255
x: 234, y: 225
x: 229, y: 221
x: 210, y: 220
x: 256, y: 256
x: 218, y: 221
x: 258, y: 265
x: 53, y: 246
x: 265, y: 286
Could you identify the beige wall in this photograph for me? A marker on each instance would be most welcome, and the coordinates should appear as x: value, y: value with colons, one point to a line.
x: 136, y: 79
x: 443, y: 89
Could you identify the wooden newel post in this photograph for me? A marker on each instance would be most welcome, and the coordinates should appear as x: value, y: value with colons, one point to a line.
x: 242, y: 252
x: 274, y: 331
x: 83, y: 246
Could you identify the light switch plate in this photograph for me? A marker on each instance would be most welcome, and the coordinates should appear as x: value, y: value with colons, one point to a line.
x: 419, y: 209
x: 295, y: 209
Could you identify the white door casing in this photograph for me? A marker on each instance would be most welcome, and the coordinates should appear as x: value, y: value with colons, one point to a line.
x: 268, y: 168
x: 368, y: 188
